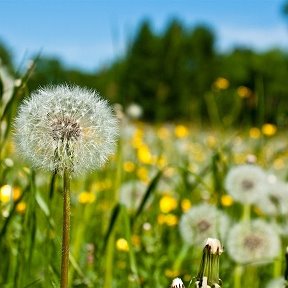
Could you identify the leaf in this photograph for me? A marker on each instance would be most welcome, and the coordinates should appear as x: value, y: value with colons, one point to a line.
x: 147, y: 194
x: 37, y: 281
x: 114, y: 217
x: 45, y: 209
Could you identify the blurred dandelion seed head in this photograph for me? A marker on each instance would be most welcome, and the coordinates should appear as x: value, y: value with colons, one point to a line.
x: 254, y: 242
x: 276, y: 201
x: 66, y: 127
x: 201, y: 222
x: 246, y: 183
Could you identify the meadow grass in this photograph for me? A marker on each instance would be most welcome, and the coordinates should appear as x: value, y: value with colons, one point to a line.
x: 125, y: 217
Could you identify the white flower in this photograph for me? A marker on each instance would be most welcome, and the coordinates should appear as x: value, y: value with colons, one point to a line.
x: 177, y: 283
x: 201, y: 222
x: 246, y: 183
x: 131, y: 194
x: 253, y: 242
x: 66, y: 127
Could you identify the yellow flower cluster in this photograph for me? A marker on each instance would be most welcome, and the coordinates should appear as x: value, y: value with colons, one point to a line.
x: 221, y: 83
x: 168, y: 219
x: 122, y: 245
x: 86, y: 198
x: 167, y: 204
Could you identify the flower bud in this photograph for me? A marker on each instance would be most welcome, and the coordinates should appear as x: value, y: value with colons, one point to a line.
x: 208, y: 275
x: 177, y: 283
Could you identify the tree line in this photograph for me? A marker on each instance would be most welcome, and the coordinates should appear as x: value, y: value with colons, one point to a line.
x: 178, y: 74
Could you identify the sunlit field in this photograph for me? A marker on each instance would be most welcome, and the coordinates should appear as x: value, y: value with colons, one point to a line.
x: 142, y: 219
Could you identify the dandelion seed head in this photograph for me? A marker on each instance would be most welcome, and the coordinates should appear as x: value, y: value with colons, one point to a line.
x: 256, y: 242
x: 246, y: 183
x: 201, y: 222
x: 275, y: 203
x: 66, y: 127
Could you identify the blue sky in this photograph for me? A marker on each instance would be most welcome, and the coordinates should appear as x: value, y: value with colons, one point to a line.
x: 89, y: 33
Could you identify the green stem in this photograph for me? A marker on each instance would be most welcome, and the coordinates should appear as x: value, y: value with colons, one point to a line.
x: 66, y: 230
x: 277, y: 265
x: 181, y: 256
x: 246, y: 212
x: 237, y: 276
x: 251, y: 279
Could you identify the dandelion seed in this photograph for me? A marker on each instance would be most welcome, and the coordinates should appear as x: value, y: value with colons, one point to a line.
x: 66, y: 127
x: 256, y: 242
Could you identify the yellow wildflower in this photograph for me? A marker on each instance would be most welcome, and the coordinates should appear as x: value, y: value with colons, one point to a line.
x: 16, y: 193
x: 142, y: 174
x: 167, y: 204
x: 122, y: 245
x: 168, y: 219
x: 86, y: 197
x: 221, y: 83
x: 144, y: 154
x: 269, y: 129
x: 244, y: 92
x: 137, y: 139
x: 129, y: 166
x: 181, y: 131
x: 226, y: 200
x: 171, y: 219
x: 254, y: 133
x: 5, y: 193
x: 21, y: 207
x: 185, y: 205
x: 161, y: 161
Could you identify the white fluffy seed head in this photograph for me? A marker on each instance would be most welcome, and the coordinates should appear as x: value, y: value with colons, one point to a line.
x: 247, y: 184
x: 201, y: 222
x: 256, y: 242
x: 66, y: 127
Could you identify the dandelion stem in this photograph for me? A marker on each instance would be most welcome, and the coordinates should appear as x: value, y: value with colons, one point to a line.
x: 66, y: 230
x: 246, y: 212
x: 237, y: 276
x: 277, y: 265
